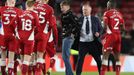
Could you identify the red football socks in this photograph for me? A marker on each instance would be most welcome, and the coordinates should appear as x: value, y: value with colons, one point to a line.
x: 34, y: 69
x: 24, y: 69
x: 52, y: 62
x: 16, y: 63
x: 103, y: 69
x: 3, y: 70
x: 44, y: 69
x: 10, y: 71
x: 117, y: 69
x: 39, y: 67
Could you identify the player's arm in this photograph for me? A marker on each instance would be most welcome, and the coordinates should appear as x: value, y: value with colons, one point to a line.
x: 37, y: 28
x: 105, y: 22
x: 54, y: 28
x: 14, y: 22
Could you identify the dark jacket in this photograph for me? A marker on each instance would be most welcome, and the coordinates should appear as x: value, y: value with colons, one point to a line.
x: 96, y: 27
x: 69, y: 24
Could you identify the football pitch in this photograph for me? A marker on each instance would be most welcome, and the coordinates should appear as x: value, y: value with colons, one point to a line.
x: 94, y: 73
x: 90, y: 73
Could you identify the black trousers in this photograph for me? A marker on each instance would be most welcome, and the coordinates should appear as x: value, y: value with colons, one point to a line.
x: 91, y: 48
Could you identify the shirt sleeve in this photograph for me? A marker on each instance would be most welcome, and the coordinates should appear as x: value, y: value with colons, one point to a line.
x: 37, y: 24
x: 121, y: 20
x: 105, y: 18
x: 54, y: 29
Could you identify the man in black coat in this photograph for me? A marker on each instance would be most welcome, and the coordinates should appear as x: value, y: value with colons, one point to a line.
x: 69, y: 29
x: 89, y: 42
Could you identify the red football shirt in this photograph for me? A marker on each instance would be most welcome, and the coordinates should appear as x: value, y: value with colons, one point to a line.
x: 26, y: 24
x: 113, y: 19
x: 7, y: 14
x: 45, y: 12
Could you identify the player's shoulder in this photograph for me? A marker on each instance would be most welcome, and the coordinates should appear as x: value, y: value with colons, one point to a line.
x: 3, y: 8
x: 33, y: 14
x: 48, y: 7
x: 107, y: 12
x: 19, y: 11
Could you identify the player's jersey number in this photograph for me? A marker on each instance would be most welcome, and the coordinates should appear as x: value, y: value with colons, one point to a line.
x: 26, y: 24
x: 116, y: 27
x: 41, y: 16
x: 7, y: 20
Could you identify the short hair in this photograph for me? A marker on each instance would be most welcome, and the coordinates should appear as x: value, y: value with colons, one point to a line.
x: 86, y: 2
x: 30, y: 3
x: 65, y: 2
x: 112, y: 3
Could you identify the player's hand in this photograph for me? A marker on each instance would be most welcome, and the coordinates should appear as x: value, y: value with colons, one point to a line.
x: 97, y: 34
x: 72, y: 35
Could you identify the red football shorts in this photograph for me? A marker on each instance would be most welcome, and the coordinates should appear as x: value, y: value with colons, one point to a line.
x: 26, y: 47
x: 112, y: 42
x: 10, y: 43
x: 41, y: 40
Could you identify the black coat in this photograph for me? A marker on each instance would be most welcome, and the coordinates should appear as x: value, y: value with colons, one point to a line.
x: 69, y: 24
x: 96, y: 27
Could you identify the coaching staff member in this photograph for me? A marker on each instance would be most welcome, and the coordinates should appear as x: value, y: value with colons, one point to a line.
x: 90, y: 28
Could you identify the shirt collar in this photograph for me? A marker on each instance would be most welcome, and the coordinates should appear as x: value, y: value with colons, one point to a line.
x: 87, y: 16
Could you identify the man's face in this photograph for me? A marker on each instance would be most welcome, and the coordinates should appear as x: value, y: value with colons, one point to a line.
x: 64, y: 8
x: 11, y: 3
x: 86, y: 10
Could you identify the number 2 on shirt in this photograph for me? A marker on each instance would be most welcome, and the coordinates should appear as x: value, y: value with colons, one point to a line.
x: 116, y: 24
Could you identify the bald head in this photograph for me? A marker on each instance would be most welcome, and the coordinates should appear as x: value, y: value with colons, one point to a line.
x: 111, y: 4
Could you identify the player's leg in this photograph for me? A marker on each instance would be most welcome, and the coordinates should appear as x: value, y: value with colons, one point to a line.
x: 34, y: 58
x: 3, y: 62
x: 41, y: 48
x: 40, y: 59
x: 3, y: 55
x: 104, y: 62
x: 11, y: 54
x: 107, y: 49
x: 28, y: 49
x: 17, y: 61
x: 117, y: 49
x: 51, y: 52
x: 34, y: 63
x: 44, y: 65
x: 25, y: 64
x: 118, y: 63
x: 30, y: 70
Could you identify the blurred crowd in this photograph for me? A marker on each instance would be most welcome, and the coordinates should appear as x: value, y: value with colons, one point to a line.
x: 99, y: 6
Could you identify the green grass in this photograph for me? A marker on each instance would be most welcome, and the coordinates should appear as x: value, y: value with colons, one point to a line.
x: 95, y: 73
x: 90, y: 73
